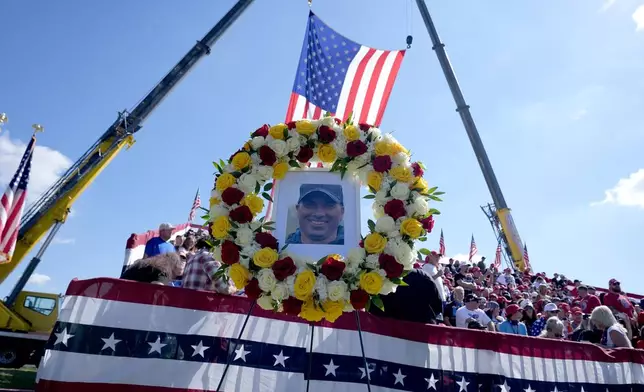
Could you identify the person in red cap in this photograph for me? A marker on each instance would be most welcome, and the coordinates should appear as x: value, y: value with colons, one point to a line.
x: 614, y: 299
x: 513, y: 324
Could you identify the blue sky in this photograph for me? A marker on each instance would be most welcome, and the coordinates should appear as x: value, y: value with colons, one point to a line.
x: 555, y: 90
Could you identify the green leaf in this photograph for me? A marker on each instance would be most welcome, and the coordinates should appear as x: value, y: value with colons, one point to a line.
x: 367, y: 306
x: 321, y: 261
x: 257, y: 187
x: 432, y: 190
x: 420, y: 257
x: 372, y: 225
x: 261, y: 220
x: 394, y: 182
x: 343, y: 171
x: 377, y: 302
x: 206, y: 217
x: 424, y: 251
x: 267, y: 196
x: 269, y: 228
x: 438, y: 193
x: 350, y: 119
x: 372, y: 190
x: 422, y: 239
x: 222, y: 163
x: 284, y: 248
x: 403, y: 284
x: 268, y: 187
x: 369, y: 197
x: 435, y: 198
x: 293, y: 163
x: 234, y: 225
x: 434, y: 211
x: 285, y: 133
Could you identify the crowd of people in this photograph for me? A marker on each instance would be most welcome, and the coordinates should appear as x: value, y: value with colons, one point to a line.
x: 457, y: 294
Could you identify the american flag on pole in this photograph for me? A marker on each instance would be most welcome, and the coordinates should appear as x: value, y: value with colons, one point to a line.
x: 195, y: 204
x: 441, y: 244
x: 342, y: 77
x: 116, y: 335
x: 526, y: 259
x: 473, y: 248
x: 497, y: 258
x: 12, y: 204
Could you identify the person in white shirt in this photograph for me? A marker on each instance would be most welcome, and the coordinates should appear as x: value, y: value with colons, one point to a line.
x: 614, y: 335
x: 471, y: 312
x: 436, y: 272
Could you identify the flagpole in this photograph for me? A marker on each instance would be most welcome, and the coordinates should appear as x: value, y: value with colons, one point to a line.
x: 463, y: 109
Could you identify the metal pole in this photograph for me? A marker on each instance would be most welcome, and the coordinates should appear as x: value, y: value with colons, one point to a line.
x: 308, y: 372
x: 22, y: 282
x: 364, y: 358
x: 231, y: 347
x: 463, y: 109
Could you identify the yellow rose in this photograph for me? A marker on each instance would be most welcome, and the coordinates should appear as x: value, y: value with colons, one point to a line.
x: 279, y: 170
x: 265, y: 257
x: 382, y: 148
x: 422, y: 185
x: 371, y: 282
x: 241, y: 160
x: 326, y: 153
x: 214, y: 201
x: 254, y: 202
x: 311, y: 312
x: 397, y: 147
x: 333, y: 309
x: 351, y: 133
x: 305, y: 127
x: 247, y: 146
x: 239, y: 274
x: 277, y: 131
x: 374, y: 180
x: 224, y: 182
x: 220, y: 227
x: 304, y: 283
x: 375, y: 243
x: 411, y: 227
x: 401, y: 174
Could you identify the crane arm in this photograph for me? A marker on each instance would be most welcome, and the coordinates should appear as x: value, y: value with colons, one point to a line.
x: 54, y: 205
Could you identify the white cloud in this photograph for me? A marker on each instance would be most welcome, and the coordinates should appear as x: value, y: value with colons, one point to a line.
x: 462, y: 257
x: 64, y: 241
x: 607, y: 4
x: 46, y: 167
x: 38, y: 279
x: 628, y: 192
x: 638, y: 17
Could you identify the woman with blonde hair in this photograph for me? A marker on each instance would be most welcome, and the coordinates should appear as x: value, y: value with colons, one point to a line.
x: 553, y: 329
x: 614, y: 335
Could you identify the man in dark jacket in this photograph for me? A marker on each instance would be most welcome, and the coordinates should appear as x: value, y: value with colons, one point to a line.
x: 418, y: 302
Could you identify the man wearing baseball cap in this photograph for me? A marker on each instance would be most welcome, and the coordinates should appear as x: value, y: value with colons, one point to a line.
x: 550, y: 310
x: 320, y: 211
x: 615, y: 300
x: 160, y: 245
x: 471, y: 312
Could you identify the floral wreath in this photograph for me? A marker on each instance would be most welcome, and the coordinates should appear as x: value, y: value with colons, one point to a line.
x: 322, y: 289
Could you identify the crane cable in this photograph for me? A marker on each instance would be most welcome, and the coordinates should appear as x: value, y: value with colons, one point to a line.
x: 409, y: 16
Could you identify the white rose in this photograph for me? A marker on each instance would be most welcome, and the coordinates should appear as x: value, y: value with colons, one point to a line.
x: 401, y: 251
x: 250, y: 249
x: 264, y: 173
x: 387, y: 287
x: 266, y: 279
x: 356, y: 257
x: 418, y: 207
x: 257, y: 142
x: 400, y: 191
x: 320, y: 287
x: 215, y: 194
x: 381, y: 197
x: 337, y: 290
x: 372, y: 262
x: 279, y: 146
x: 378, y: 210
x: 290, y: 282
x: 265, y: 302
x: 401, y: 159
x: 375, y: 133
x: 328, y: 121
x: 293, y: 143
x: 245, y: 262
x: 385, y: 224
x: 244, y: 236
x: 217, y: 211
x: 216, y: 253
x: 280, y: 292
x: 247, y: 183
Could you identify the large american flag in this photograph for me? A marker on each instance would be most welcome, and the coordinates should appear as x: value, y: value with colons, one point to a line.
x: 12, y: 204
x: 497, y: 257
x: 195, y: 205
x: 526, y: 259
x: 441, y: 244
x: 114, y: 335
x: 473, y: 248
x: 342, y: 77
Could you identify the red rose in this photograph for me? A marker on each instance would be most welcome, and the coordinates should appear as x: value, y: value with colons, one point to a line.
x: 416, y: 265
x: 332, y: 268
x: 252, y: 289
x: 291, y: 125
x: 241, y: 214
x: 292, y: 306
x: 394, y: 208
x: 326, y: 134
x: 283, y: 268
x: 361, y: 243
x: 356, y: 148
x: 428, y: 223
x: 266, y: 240
x: 392, y: 268
x: 267, y: 155
x: 232, y: 196
x: 382, y: 163
x: 337, y: 120
x: 305, y: 154
x: 359, y: 299
x: 263, y: 131
x: 418, y: 171
x: 229, y: 252
x: 364, y: 127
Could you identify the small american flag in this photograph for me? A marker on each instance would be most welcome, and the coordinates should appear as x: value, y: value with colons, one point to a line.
x: 441, y: 244
x: 473, y: 248
x: 497, y: 258
x: 12, y: 204
x: 342, y: 77
x: 526, y: 259
x: 195, y: 204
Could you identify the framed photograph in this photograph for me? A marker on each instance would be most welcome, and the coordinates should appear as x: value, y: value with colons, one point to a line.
x: 316, y: 213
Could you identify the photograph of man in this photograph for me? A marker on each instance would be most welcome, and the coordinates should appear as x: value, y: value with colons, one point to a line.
x: 320, y: 214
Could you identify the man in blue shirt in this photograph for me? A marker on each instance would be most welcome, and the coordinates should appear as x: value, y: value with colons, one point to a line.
x: 160, y: 245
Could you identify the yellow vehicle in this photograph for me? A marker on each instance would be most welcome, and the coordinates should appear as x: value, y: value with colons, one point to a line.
x: 27, y: 318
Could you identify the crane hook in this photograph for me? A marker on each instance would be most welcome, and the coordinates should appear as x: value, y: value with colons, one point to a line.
x: 410, y: 39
